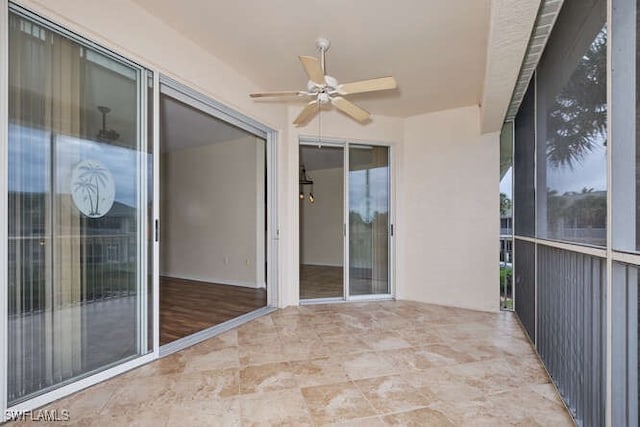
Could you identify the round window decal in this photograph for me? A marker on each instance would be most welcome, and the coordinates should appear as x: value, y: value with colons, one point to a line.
x: 92, y: 188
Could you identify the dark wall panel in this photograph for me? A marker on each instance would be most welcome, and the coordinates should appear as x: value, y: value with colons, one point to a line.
x: 525, y: 290
x: 625, y: 301
x: 571, y: 329
x: 524, y: 202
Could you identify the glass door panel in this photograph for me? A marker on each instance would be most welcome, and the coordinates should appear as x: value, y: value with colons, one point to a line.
x: 213, y: 211
x: 369, y: 221
x: 321, y: 195
x: 78, y: 209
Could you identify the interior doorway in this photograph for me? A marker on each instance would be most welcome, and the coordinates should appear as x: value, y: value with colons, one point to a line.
x: 321, y: 195
x: 346, y: 229
x: 213, y: 211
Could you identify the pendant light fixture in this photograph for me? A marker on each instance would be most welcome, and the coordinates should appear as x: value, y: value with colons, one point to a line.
x: 104, y: 134
x: 305, y: 180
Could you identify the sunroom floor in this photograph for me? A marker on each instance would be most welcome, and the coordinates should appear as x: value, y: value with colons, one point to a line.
x: 373, y: 363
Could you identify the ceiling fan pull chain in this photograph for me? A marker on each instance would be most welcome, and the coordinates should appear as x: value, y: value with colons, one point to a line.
x: 319, y: 125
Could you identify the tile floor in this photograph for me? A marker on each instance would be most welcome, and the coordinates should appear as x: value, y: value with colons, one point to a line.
x: 369, y: 364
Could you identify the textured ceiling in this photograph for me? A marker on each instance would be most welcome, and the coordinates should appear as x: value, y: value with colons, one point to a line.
x: 436, y: 49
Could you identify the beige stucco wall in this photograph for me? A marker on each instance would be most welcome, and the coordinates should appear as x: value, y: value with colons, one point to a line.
x: 448, y: 224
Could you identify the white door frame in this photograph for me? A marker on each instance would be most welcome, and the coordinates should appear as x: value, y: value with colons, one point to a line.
x: 183, y: 93
x: 4, y: 198
x: 344, y: 144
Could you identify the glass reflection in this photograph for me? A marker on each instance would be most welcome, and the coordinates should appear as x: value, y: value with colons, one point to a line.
x: 74, y: 210
x: 369, y: 185
x: 576, y: 139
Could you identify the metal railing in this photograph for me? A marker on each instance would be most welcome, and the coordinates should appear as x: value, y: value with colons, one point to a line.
x: 107, y: 270
x: 506, y: 272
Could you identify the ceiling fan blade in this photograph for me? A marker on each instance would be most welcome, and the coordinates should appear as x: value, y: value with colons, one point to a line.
x: 351, y: 109
x: 382, y: 83
x: 313, y: 69
x: 306, y: 113
x: 282, y: 93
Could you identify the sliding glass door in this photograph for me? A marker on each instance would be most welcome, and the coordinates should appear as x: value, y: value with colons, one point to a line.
x: 78, y: 209
x: 213, y: 211
x: 321, y: 198
x: 345, y: 220
x: 369, y: 220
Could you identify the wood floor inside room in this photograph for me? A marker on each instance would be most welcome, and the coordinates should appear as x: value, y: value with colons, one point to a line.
x: 321, y: 281
x: 325, y: 281
x: 189, y: 306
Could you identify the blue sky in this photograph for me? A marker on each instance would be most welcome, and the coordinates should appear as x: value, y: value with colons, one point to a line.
x: 29, y: 149
x: 505, y: 183
x: 590, y: 172
x: 379, y: 194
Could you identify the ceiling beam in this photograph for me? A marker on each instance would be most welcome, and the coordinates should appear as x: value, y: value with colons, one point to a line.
x: 510, y: 29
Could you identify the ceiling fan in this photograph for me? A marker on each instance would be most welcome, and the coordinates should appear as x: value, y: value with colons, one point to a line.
x: 326, y: 89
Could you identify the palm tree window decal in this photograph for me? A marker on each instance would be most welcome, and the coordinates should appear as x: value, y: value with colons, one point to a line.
x: 93, y: 188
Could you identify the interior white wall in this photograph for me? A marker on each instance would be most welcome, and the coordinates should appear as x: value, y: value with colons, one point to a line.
x: 212, y: 206
x: 448, y: 227
x: 321, y: 223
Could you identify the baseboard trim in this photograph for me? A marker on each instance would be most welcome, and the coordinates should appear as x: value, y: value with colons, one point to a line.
x: 323, y: 265
x: 209, y: 280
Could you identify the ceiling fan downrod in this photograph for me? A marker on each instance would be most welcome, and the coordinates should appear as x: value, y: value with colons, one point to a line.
x: 323, y: 44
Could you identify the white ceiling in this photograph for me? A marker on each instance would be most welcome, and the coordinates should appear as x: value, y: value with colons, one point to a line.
x: 436, y: 49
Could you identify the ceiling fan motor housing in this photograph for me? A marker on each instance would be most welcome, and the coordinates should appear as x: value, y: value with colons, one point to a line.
x: 323, y: 98
x: 323, y: 43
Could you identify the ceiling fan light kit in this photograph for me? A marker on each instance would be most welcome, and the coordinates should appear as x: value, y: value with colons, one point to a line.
x: 326, y: 89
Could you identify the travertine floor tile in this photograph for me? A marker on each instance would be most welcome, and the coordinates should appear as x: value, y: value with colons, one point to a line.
x: 206, y: 385
x: 366, y: 364
x: 344, y: 344
x: 261, y: 353
x: 418, y: 417
x: 304, y: 349
x: 360, y: 422
x: 337, y: 402
x: 268, y: 377
x: 319, y: 371
x: 281, y: 407
x: 221, y: 413
x: 385, y: 341
x: 228, y: 357
x: 391, y: 394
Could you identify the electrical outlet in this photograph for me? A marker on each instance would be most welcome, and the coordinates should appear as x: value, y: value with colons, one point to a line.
x: 226, y: 260
x: 246, y: 261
